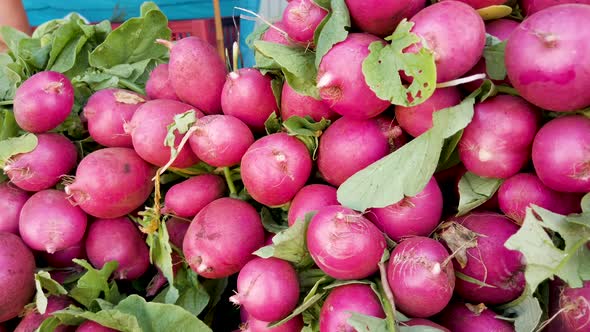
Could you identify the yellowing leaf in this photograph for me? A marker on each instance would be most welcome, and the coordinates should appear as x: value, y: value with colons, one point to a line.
x: 494, y: 12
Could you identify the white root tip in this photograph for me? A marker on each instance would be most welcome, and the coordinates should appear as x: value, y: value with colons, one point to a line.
x: 50, y: 249
x: 234, y: 75
x: 235, y: 299
x: 462, y: 80
x: 202, y: 268
x: 436, y: 269
x: 165, y: 42
x: 325, y: 80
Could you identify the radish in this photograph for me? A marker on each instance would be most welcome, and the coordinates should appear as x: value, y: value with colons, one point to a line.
x: 42, y: 168
x: 497, y: 142
x: 34, y: 319
x: 344, y: 244
x: 457, y: 317
x: 301, y: 19
x: 421, y: 277
x: 348, y: 146
x: 254, y: 325
x: 149, y: 127
x: 391, y: 130
x: 221, y: 140
x: 477, y: 4
x: 90, y: 326
x: 197, y: 73
x: 310, y: 198
x: 177, y: 229
x: 501, y: 29
x: 273, y: 35
x: 118, y: 240
x: 415, y: 120
x: 247, y: 95
x: 575, y: 303
x: 343, y: 301
x: 12, y: 200
x: 455, y: 32
x: 341, y: 81
x: 295, y: 104
x: 529, y: 7
x: 274, y: 168
x: 222, y: 238
x: 188, y: 197
x: 489, y: 261
x: 43, y: 101
x: 547, y: 59
x: 381, y: 17
x: 522, y: 190
x: 111, y: 183
x: 424, y: 322
x: 48, y: 222
x: 63, y: 258
x: 107, y: 112
x: 159, y: 85
x: 17, y: 284
x: 412, y: 216
x: 267, y: 288
x: 561, y: 154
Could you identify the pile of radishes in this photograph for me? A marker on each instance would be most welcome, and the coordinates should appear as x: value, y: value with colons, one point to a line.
x: 243, y: 170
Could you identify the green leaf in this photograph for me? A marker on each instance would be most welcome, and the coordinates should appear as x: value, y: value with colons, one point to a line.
x: 449, y: 156
x: 338, y: 283
x: 333, y: 29
x: 586, y: 203
x: 43, y: 281
x: 9, y: 128
x: 363, y: 323
x: 493, y: 53
x: 297, y: 64
x: 35, y: 55
x: 12, y: 38
x: 193, y: 297
x: 269, y: 223
x: 67, y: 43
x: 9, y: 77
x: 134, y: 40
x: 161, y: 255
x: 94, y: 282
x: 110, y: 318
x: 155, y: 317
x: 256, y: 35
x: 543, y: 259
x: 273, y: 124
x: 182, y: 123
x: 472, y: 280
x: 308, y: 302
x: 307, y: 130
x: 16, y: 145
x: 474, y: 191
x: 385, y: 61
x: 418, y: 328
x: 406, y: 171
x: 290, y: 245
x: 528, y: 314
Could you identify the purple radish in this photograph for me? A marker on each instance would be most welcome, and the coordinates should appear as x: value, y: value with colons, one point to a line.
x: 561, y: 154
x: 188, y: 197
x: 487, y: 260
x: 348, y: 146
x: 48, y: 222
x: 149, y: 127
x: 90, y: 326
x: 529, y: 7
x: 343, y: 301
x: 456, y: 34
x: 415, y: 120
x: 196, y: 66
x: 43, y: 101
x: 33, y: 319
x: 301, y: 19
x: 107, y: 112
x: 522, y: 190
x: 159, y: 85
x: 558, y: 76
x: 295, y: 104
x: 177, y: 229
x: 221, y: 140
x: 254, y: 325
x: 412, y: 216
x: 267, y: 288
x: 63, y: 258
x: 575, y: 303
x: 421, y: 277
x: 17, y: 284
x: 380, y: 17
x: 111, y: 183
x: 42, y: 168
x: 213, y: 248
x: 344, y: 244
x: 275, y: 36
x: 462, y: 317
x: 275, y: 168
x: 118, y: 240
x: 341, y: 81
x: 497, y: 142
x: 424, y: 322
x: 12, y: 200
x: 478, y: 4
x: 310, y: 198
x: 247, y: 95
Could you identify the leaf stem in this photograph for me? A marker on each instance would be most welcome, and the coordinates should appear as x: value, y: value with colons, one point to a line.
x: 131, y: 86
x: 180, y: 147
x: 7, y: 102
x: 236, y: 55
x: 388, y: 302
x: 230, y: 181
x: 507, y: 90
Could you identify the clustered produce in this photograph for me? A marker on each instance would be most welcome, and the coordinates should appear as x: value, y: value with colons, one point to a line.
x: 391, y: 165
